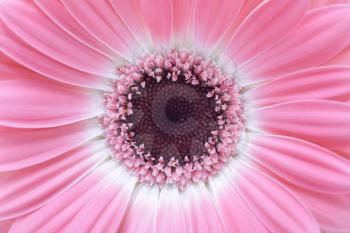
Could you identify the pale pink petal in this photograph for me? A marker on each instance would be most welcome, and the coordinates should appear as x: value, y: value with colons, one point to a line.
x: 54, y: 216
x: 321, y: 3
x: 35, y: 102
x: 343, y: 58
x: 36, y: 29
x: 25, y: 55
x: 158, y: 16
x: 247, y: 8
x: 99, y: 18
x: 211, y: 20
x: 318, y: 169
x: 20, y: 148
x: 235, y: 213
x: 141, y: 215
x: 183, y: 25
x: 56, y: 11
x: 319, y: 83
x: 28, y: 189
x: 264, y: 27
x: 105, y: 212
x: 312, y: 44
x: 6, y: 225
x: 201, y: 214
x: 131, y: 15
x: 170, y: 217
x: 273, y: 204
x: 322, y: 122
x: 330, y: 211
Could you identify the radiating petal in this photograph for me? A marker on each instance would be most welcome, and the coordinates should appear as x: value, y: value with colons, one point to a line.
x: 311, y: 44
x: 21, y: 52
x: 170, y: 217
x: 321, y: 3
x: 330, y: 211
x: 183, y: 22
x: 56, y: 215
x: 211, y: 20
x: 158, y: 16
x: 330, y: 83
x: 322, y: 122
x: 141, y: 215
x: 99, y: 18
x: 302, y: 163
x: 6, y: 225
x: 56, y: 11
x: 273, y: 204
x: 343, y: 58
x: 30, y: 188
x: 130, y: 13
x: 235, y: 213
x: 264, y: 27
x: 31, y: 101
x: 44, y: 35
x: 20, y: 148
x: 201, y: 214
x: 105, y: 212
x: 246, y: 9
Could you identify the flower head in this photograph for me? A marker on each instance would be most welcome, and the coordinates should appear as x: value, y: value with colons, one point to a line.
x: 175, y: 116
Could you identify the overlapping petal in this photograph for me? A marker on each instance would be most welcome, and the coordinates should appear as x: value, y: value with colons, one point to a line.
x: 264, y: 27
x: 311, y: 44
x: 56, y: 215
x: 37, y: 30
x: 30, y: 188
x: 325, y: 123
x: 28, y: 147
x: 32, y: 101
x: 302, y: 163
x: 273, y: 204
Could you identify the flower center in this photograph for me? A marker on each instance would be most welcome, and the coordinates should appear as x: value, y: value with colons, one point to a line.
x: 173, y: 118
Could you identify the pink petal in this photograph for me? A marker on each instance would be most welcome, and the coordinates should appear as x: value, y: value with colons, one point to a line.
x: 310, y: 45
x: 28, y: 147
x: 321, y: 3
x: 183, y: 22
x: 131, y: 15
x: 6, y: 225
x: 55, y: 215
x: 104, y: 213
x: 141, y: 217
x: 330, y: 211
x: 158, y: 16
x: 247, y: 8
x: 343, y: 58
x: 43, y: 182
x: 320, y: 83
x: 101, y: 21
x: 318, y: 169
x: 235, y: 213
x: 39, y: 102
x: 22, y: 53
x: 56, y: 11
x: 44, y: 35
x: 201, y: 215
x: 218, y: 16
x: 170, y: 217
x: 325, y: 123
x: 274, y: 205
x: 264, y: 27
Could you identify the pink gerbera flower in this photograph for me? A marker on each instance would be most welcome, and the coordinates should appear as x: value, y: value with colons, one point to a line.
x: 203, y: 116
